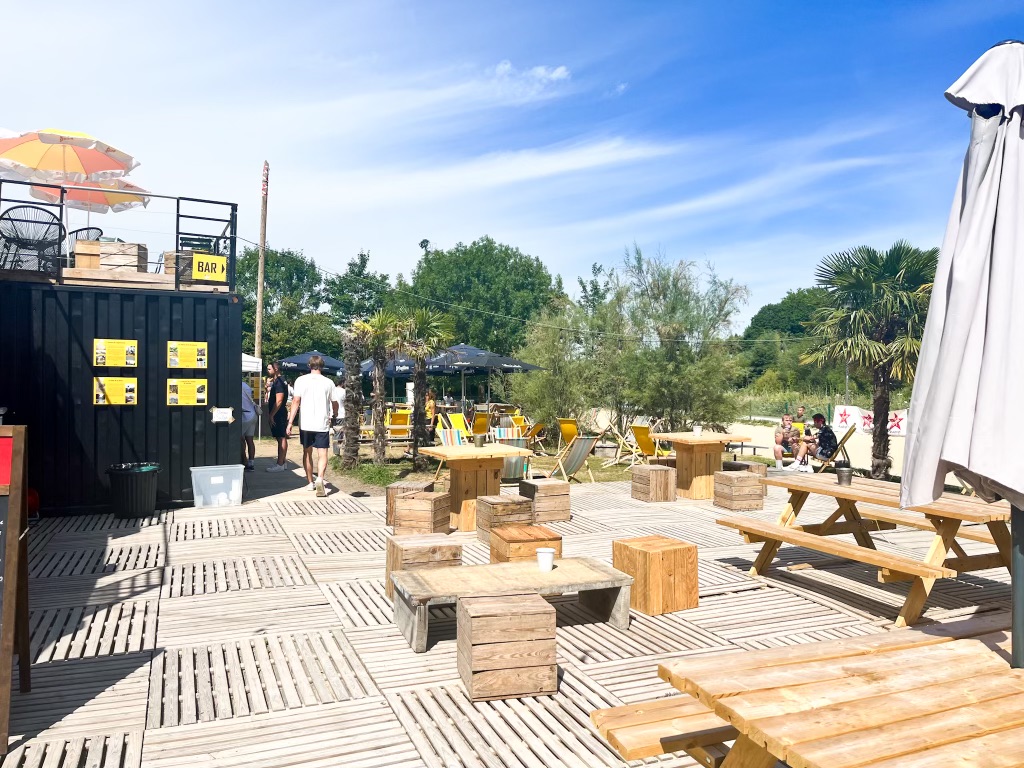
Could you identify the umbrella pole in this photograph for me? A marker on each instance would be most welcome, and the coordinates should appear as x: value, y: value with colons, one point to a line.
x: 1017, y: 588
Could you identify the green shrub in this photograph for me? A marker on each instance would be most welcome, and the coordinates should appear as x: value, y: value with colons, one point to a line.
x: 376, y: 474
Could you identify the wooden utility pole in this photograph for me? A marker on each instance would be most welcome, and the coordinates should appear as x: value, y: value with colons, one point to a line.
x: 263, y: 252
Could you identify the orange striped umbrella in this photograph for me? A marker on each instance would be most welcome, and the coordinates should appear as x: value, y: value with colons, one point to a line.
x: 102, y: 196
x: 51, y: 155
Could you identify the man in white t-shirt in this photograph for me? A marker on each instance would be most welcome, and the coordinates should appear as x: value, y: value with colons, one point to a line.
x: 313, y: 403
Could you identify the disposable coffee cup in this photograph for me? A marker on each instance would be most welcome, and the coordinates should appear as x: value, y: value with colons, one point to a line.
x: 478, y: 440
x: 697, y: 429
x: 545, y: 558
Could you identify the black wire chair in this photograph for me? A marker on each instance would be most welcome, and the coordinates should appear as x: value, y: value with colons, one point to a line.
x: 31, y: 238
x: 85, y: 233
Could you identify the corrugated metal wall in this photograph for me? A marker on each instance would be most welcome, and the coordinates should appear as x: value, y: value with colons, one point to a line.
x: 46, y: 382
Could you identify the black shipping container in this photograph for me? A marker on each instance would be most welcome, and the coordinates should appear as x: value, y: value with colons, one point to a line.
x: 46, y: 382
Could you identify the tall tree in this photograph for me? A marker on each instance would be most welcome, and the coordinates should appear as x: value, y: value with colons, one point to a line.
x: 353, y: 350
x: 789, y: 316
x: 506, y: 285
x: 356, y: 293
x: 425, y: 333
x: 877, y: 302
x: 381, y: 335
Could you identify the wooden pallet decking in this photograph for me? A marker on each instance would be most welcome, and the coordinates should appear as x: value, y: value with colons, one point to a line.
x: 261, y: 636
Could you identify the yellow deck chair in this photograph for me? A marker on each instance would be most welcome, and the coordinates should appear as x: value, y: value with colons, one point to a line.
x: 568, y: 429
x: 840, y: 449
x: 399, y: 425
x: 533, y: 439
x: 481, y: 423
x: 647, y: 445
x: 520, y: 421
x: 458, y: 422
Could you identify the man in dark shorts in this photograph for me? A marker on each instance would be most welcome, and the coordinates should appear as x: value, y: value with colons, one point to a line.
x: 277, y: 409
x: 314, y: 405
x: 822, y: 446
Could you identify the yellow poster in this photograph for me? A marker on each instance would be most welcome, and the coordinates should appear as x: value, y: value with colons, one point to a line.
x: 205, y: 266
x: 187, y: 354
x: 110, y: 390
x: 115, y: 353
x: 186, y: 391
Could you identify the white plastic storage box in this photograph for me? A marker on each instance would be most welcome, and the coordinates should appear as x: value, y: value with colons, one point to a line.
x: 218, y: 486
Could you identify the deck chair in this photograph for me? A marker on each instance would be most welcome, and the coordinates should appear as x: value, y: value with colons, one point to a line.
x: 533, y: 439
x: 501, y: 434
x: 647, y: 445
x: 366, y: 425
x: 841, y: 448
x: 481, y: 423
x: 448, y: 437
x: 399, y: 425
x: 519, y: 421
x: 458, y: 422
x: 567, y: 430
x: 573, y: 457
x: 515, y: 468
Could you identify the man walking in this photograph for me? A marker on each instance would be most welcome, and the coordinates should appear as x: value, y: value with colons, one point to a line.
x: 277, y: 398
x: 314, y: 405
x: 248, y: 427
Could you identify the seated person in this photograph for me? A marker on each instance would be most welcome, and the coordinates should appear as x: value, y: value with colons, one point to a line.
x: 821, y: 446
x: 799, y: 421
x: 783, y: 440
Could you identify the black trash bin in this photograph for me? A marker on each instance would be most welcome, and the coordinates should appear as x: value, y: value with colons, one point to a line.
x: 133, y: 489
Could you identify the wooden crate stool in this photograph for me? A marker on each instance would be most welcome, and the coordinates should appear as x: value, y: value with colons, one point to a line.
x: 754, y: 467
x: 400, y: 488
x: 664, y: 573
x: 654, y: 483
x: 663, y: 461
x: 550, y: 499
x: 409, y: 553
x: 510, y: 543
x: 496, y: 511
x: 738, y: 491
x: 506, y: 646
x: 422, y: 512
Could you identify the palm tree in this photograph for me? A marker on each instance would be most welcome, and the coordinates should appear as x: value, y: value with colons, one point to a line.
x: 877, y: 304
x: 381, y: 333
x: 354, y: 349
x: 426, y: 332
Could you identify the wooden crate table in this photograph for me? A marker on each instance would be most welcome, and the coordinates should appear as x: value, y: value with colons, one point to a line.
x: 422, y: 512
x: 402, y: 487
x: 653, y: 483
x: 698, y: 457
x: 739, y: 491
x: 409, y: 553
x: 550, y: 499
x: 944, y: 518
x: 495, y: 511
x: 664, y: 573
x: 473, y: 472
x: 512, y: 543
x: 940, y: 696
x: 754, y: 467
x: 506, y: 646
x: 602, y: 589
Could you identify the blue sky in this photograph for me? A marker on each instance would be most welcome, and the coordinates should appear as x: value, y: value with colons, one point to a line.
x: 758, y: 136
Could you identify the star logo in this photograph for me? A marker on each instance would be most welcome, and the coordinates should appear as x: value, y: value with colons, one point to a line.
x: 867, y: 421
x: 895, y: 422
x: 843, y: 418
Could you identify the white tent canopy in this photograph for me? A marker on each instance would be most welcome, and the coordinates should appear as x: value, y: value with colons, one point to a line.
x: 251, y: 364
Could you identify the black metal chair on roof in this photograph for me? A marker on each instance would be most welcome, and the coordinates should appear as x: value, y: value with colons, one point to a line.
x: 85, y: 233
x: 31, y: 239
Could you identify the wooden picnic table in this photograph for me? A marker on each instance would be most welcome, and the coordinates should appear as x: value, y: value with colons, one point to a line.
x: 474, y: 472
x: 945, y: 518
x: 942, y: 695
x: 698, y: 457
x: 602, y: 589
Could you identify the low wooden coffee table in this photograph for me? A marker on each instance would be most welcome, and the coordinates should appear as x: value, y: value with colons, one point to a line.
x: 602, y: 589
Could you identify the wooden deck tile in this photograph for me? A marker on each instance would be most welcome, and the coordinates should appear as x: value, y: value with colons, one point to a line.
x: 142, y: 584
x: 227, y: 546
x: 114, y: 750
x: 234, y: 573
x: 80, y: 562
x: 394, y: 666
x: 236, y: 615
x: 357, y: 734
x: 209, y: 528
x: 83, y: 697
x: 346, y: 566
x: 359, y: 603
x: 338, y: 505
x: 267, y: 673
x: 336, y: 542
x: 105, y: 538
x: 83, y: 631
x: 636, y: 679
x: 356, y: 521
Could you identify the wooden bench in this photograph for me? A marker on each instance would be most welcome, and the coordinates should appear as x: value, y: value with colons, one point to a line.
x: 829, y: 546
x: 676, y: 724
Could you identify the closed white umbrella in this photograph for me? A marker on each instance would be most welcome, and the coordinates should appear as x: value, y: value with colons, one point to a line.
x: 968, y: 403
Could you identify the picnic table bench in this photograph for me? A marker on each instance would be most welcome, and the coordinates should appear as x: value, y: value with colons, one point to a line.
x: 944, y: 517
x: 602, y: 589
x: 938, y: 695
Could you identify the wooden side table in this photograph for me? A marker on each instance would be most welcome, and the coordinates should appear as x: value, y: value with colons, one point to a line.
x: 511, y: 543
x: 409, y: 553
x: 424, y: 512
x: 400, y: 488
x: 653, y: 483
x: 550, y: 499
x: 664, y: 573
x: 496, y: 511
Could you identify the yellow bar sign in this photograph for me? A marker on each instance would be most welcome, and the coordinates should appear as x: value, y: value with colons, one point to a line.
x: 206, y: 266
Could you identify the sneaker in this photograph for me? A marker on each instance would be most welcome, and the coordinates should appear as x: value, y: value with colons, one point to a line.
x: 310, y: 487
x: 792, y: 467
x: 250, y: 467
x: 807, y: 468
x: 276, y: 468
x: 319, y: 487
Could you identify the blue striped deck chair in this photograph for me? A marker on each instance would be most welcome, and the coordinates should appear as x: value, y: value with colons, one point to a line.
x: 573, y: 457
x: 505, y: 433
x: 448, y: 437
x: 515, y: 468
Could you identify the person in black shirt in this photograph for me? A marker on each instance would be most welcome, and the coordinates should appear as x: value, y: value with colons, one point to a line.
x: 821, y: 446
x: 277, y: 408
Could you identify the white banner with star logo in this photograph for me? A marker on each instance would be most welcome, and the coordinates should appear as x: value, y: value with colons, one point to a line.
x: 846, y: 416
